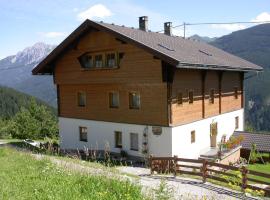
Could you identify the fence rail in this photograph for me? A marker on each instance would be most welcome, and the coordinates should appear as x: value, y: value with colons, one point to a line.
x: 210, y: 170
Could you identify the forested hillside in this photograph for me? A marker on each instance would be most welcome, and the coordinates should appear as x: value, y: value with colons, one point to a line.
x: 11, y: 101
x: 23, y: 116
x: 253, y: 44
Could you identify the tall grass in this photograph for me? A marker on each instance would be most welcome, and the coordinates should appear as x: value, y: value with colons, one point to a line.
x: 23, y: 177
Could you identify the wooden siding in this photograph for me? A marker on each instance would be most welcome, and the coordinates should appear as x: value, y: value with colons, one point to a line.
x: 152, y: 111
x: 211, y: 82
x: 136, y: 66
x: 228, y: 102
x: 186, y: 80
x: 139, y: 71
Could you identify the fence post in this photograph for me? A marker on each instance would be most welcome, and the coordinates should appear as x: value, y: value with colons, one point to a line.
x: 150, y: 163
x: 244, y: 178
x: 204, y: 170
x: 174, y: 165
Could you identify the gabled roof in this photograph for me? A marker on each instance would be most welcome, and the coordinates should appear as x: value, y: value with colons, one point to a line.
x: 182, y: 53
x: 262, y: 140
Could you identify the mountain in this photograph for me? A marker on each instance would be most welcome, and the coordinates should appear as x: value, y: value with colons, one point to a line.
x: 253, y: 44
x: 15, y: 72
x: 12, y: 101
x: 202, y: 38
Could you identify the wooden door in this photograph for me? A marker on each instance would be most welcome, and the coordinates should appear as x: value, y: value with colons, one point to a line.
x: 213, y: 134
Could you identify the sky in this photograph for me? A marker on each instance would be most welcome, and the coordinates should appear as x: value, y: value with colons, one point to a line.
x: 26, y: 22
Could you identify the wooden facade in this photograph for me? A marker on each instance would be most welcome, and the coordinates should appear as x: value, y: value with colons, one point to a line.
x: 201, y: 83
x: 139, y: 71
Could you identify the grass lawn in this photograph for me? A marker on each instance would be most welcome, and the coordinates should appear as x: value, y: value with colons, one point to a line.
x: 23, y: 177
x: 264, y: 168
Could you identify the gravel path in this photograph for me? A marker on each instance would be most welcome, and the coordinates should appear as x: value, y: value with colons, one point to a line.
x: 182, y: 188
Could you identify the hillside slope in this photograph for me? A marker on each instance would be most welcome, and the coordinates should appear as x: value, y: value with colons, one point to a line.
x: 11, y: 101
x: 253, y: 44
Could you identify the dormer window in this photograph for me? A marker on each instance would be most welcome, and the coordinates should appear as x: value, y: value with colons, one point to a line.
x: 98, y: 61
x: 86, y: 61
x: 111, y: 60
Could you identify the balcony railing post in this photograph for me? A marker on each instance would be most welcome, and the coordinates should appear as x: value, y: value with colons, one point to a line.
x: 204, y: 170
x: 244, y: 178
x: 151, y: 164
x: 175, y: 165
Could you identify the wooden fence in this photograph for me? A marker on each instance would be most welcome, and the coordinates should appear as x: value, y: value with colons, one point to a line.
x: 210, y: 170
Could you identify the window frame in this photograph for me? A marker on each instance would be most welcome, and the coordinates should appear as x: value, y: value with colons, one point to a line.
x: 236, y: 122
x: 131, y: 106
x: 180, y: 98
x: 95, y: 60
x: 104, y: 60
x: 111, y: 93
x: 212, y: 96
x: 116, y: 63
x: 81, y: 128
x: 130, y: 136
x: 193, y: 136
x: 190, y: 100
x: 116, y: 137
x: 83, y: 58
x: 235, y: 92
x: 79, y: 93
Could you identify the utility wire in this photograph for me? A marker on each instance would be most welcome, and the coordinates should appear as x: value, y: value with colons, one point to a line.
x: 212, y: 23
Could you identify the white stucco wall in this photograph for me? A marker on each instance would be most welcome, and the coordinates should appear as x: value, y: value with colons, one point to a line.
x: 100, y: 132
x: 181, y: 135
x: 172, y: 141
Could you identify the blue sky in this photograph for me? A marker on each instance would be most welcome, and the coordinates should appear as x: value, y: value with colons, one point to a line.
x: 24, y: 23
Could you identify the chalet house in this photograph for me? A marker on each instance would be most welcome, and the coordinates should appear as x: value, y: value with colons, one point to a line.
x: 144, y: 92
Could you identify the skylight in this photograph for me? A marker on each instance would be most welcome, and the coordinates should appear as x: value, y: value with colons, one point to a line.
x: 167, y: 48
x: 208, y: 54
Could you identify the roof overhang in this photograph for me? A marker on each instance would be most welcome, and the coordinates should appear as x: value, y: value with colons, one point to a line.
x: 215, y: 67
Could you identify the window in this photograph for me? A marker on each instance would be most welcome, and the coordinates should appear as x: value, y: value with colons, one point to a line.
x: 212, y: 96
x: 98, y: 61
x: 134, y: 141
x: 111, y: 60
x: 190, y: 97
x: 83, y: 134
x: 236, y: 122
x: 118, y: 139
x: 134, y: 100
x: 114, y: 99
x: 81, y: 99
x: 235, y: 92
x: 180, y: 98
x: 192, y: 136
x: 86, y: 61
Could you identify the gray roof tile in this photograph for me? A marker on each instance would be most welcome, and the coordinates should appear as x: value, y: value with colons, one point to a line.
x: 262, y: 140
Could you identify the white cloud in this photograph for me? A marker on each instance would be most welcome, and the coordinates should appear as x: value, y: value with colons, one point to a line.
x: 95, y: 11
x: 229, y: 27
x: 262, y: 17
x: 52, y: 34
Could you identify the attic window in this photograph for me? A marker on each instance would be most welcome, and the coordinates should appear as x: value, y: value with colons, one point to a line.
x: 167, y: 48
x: 208, y: 54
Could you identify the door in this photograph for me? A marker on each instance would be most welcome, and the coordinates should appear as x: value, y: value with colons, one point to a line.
x: 213, y: 134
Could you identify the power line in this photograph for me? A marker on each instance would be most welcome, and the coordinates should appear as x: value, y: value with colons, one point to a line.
x: 213, y: 23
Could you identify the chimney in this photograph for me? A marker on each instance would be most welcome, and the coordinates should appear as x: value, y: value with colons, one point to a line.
x: 143, y: 23
x: 168, y: 28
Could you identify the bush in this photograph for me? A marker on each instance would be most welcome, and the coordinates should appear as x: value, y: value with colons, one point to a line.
x: 36, y: 122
